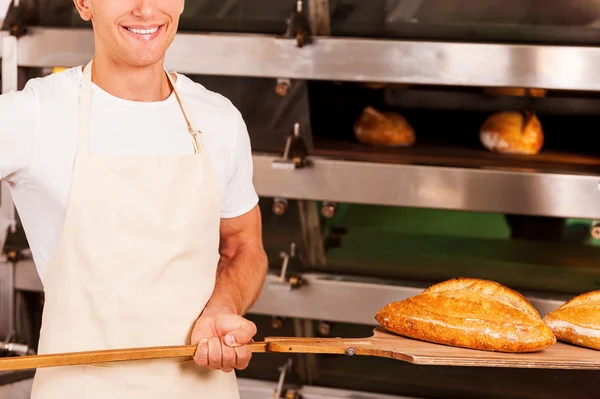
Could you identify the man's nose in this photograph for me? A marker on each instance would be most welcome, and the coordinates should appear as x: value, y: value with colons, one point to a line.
x: 144, y: 8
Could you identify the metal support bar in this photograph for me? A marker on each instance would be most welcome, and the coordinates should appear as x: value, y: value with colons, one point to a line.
x: 7, y: 300
x: 329, y: 58
x: 319, y: 17
x: 312, y: 366
x: 27, y: 277
x: 7, y: 215
x: 311, y: 232
x: 478, y: 190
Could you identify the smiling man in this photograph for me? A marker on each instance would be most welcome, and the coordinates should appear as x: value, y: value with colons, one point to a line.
x: 134, y: 187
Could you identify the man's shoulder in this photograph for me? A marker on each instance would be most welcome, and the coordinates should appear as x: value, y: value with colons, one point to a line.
x: 63, y: 83
x: 42, y: 91
x: 202, y: 99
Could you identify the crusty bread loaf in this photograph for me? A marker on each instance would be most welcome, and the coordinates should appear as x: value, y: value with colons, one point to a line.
x: 512, y: 132
x: 383, y: 129
x: 577, y: 321
x: 469, y: 313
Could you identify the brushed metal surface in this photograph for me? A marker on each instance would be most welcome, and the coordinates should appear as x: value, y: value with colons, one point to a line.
x: 331, y: 297
x: 331, y: 58
x: 480, y: 190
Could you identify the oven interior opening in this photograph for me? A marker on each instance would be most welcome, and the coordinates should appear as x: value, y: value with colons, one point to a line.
x: 447, y: 122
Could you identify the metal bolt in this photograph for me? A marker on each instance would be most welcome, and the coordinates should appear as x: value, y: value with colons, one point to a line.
x: 328, y: 209
x: 295, y: 282
x: 276, y: 323
x: 282, y: 88
x: 350, y: 351
x: 596, y: 232
x: 280, y: 206
x: 324, y: 328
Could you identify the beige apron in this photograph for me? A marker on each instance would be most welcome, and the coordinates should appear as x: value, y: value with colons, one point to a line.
x: 135, y: 266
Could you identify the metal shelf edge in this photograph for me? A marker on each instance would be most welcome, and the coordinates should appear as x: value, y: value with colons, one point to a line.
x: 477, y: 190
x: 319, y: 299
x: 334, y: 58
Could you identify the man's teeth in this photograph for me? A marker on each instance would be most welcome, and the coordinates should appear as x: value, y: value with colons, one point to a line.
x: 143, y: 31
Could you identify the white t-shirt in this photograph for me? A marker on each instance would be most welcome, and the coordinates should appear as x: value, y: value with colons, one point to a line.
x: 38, y: 140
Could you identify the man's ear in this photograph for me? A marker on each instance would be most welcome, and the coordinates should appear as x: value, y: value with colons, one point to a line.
x: 84, y: 9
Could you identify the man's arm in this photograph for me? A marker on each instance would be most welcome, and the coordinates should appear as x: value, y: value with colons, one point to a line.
x: 221, y: 332
x: 243, y: 265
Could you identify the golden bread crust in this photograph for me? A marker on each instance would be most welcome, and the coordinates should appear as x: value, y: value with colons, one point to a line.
x: 512, y: 132
x: 383, y: 129
x: 577, y: 321
x: 469, y: 313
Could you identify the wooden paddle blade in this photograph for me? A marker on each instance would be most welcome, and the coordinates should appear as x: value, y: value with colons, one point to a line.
x: 386, y: 344
x: 558, y: 356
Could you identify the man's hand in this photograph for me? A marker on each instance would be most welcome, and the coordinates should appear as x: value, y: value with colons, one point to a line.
x: 221, y: 340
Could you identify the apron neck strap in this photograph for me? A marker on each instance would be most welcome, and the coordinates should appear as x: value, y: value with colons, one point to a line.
x: 192, y: 130
x: 83, y: 143
x: 85, y: 107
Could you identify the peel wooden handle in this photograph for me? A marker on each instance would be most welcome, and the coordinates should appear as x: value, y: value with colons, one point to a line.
x: 271, y: 344
x: 104, y: 356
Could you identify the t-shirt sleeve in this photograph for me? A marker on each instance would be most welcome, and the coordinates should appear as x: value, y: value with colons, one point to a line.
x: 240, y: 195
x: 18, y: 124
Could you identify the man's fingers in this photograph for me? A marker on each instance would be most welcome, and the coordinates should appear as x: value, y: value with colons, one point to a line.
x: 243, y: 357
x: 201, y: 356
x: 212, y: 353
x: 229, y: 357
x: 237, y: 330
x: 215, y: 353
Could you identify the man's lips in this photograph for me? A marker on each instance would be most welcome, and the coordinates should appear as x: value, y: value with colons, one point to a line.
x: 143, y: 32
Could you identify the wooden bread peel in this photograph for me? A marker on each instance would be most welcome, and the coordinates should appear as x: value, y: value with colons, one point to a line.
x: 381, y: 344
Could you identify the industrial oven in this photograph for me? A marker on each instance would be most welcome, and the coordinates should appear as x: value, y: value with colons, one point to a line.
x: 351, y: 226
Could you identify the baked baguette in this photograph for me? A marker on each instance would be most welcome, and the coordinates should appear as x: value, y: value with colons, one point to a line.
x: 512, y: 132
x: 383, y: 129
x: 577, y: 321
x: 469, y: 313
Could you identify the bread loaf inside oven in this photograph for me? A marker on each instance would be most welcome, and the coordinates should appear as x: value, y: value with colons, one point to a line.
x: 512, y: 132
x: 383, y: 129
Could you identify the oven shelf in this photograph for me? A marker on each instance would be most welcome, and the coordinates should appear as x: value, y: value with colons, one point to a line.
x: 437, y: 154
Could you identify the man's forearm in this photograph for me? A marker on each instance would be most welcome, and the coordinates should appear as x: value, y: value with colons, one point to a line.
x: 239, y: 281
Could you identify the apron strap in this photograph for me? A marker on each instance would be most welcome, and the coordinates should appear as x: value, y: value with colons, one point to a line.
x: 83, y: 134
x: 83, y: 140
x: 186, y: 114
